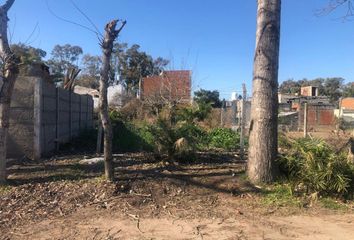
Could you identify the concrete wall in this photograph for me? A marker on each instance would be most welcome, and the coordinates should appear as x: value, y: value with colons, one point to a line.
x: 43, y: 116
x: 20, y: 139
x: 318, y: 115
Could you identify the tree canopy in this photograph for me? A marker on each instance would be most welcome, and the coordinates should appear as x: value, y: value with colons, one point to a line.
x: 62, y: 58
x: 28, y: 54
x: 90, y: 75
x: 333, y: 88
x: 208, y: 97
x: 130, y: 64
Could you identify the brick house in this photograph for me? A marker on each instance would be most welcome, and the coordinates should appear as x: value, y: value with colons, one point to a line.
x: 169, y: 85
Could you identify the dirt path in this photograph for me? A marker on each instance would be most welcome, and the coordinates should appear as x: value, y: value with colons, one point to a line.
x: 87, y: 224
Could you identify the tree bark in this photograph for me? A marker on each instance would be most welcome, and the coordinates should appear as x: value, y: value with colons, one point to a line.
x: 10, y: 72
x: 263, y: 142
x: 107, y: 45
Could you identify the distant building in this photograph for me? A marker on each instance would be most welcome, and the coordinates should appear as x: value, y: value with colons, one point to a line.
x: 346, y: 110
x: 115, y: 94
x: 169, y: 85
x: 284, y: 98
x: 347, y: 103
x: 309, y: 91
x: 88, y: 91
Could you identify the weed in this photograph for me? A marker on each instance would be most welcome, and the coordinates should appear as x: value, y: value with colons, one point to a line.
x: 224, y: 138
x: 314, y: 167
x: 280, y: 195
x: 332, y: 204
x: 4, y: 189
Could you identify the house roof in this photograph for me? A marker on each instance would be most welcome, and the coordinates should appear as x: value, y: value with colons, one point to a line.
x: 347, y: 103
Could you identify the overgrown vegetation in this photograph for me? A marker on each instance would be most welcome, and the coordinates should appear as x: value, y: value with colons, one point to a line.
x: 176, y: 133
x: 224, y: 138
x: 313, y: 167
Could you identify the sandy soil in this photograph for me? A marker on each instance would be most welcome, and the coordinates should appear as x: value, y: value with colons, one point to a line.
x: 93, y: 224
x: 65, y: 198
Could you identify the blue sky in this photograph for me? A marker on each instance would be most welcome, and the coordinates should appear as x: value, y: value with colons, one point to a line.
x: 213, y: 38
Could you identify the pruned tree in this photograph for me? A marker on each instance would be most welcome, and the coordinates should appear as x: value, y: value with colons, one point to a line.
x: 263, y: 142
x: 70, y: 77
x: 111, y: 33
x: 9, y: 74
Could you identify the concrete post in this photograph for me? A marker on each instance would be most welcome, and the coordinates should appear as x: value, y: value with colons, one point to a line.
x: 57, y: 140
x: 37, y: 119
x: 70, y: 116
x: 305, y: 119
x: 243, y: 121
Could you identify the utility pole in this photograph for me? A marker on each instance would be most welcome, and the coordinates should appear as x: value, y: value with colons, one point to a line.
x: 305, y: 119
x: 243, y: 121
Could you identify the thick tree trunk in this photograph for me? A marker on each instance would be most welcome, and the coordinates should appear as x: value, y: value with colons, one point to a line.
x: 10, y: 70
x: 107, y: 45
x: 263, y: 142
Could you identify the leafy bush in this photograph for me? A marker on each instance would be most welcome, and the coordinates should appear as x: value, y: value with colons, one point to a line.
x: 190, y: 114
x: 128, y: 137
x: 224, y: 138
x: 195, y: 135
x: 314, y: 167
x: 179, y: 140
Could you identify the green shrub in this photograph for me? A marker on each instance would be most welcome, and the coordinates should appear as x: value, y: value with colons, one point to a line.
x: 197, y: 112
x: 128, y: 137
x: 195, y: 135
x: 224, y: 138
x: 314, y: 167
x: 178, y: 141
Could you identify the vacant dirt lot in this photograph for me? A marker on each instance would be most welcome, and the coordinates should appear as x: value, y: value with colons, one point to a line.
x: 65, y: 198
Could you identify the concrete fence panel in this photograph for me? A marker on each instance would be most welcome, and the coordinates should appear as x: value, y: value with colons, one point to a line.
x: 43, y: 116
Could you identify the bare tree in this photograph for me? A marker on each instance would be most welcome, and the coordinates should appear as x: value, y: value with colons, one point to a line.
x: 107, y: 46
x: 9, y: 75
x: 169, y: 91
x: 263, y: 129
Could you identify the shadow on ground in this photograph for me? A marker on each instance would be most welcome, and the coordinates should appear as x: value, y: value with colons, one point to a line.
x: 217, y: 172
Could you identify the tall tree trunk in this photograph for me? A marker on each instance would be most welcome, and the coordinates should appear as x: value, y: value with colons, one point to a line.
x: 263, y: 142
x: 107, y: 45
x: 10, y: 72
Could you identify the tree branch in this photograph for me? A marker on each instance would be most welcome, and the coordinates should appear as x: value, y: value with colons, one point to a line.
x: 7, y: 5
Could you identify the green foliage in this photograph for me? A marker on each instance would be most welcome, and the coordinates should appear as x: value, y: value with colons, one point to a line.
x: 207, y: 97
x: 128, y: 137
x: 177, y: 135
x: 314, y: 167
x: 91, y: 67
x: 28, y: 54
x: 348, y: 90
x: 280, y: 195
x: 63, y: 57
x: 197, y: 112
x: 224, y: 138
x: 132, y: 64
x: 331, y: 87
x: 331, y: 203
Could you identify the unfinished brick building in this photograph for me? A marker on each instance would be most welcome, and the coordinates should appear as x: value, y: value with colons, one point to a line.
x: 169, y: 85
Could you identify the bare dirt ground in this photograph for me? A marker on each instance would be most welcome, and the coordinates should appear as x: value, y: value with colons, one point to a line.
x: 65, y: 198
